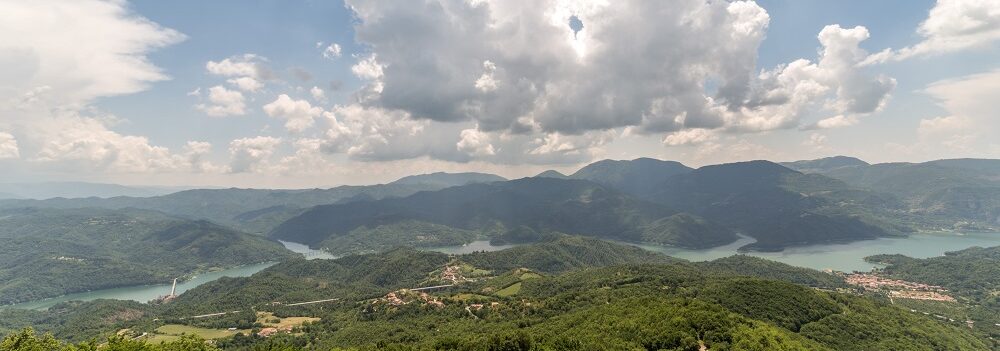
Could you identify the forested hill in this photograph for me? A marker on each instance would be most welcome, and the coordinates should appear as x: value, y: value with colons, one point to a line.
x: 781, y: 207
x: 566, y: 294
x: 50, y: 252
x: 544, y: 204
x: 962, y: 193
x: 637, y: 177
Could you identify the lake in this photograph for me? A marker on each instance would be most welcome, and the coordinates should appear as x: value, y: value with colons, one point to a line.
x: 478, y: 245
x: 144, y: 293
x: 841, y: 257
x: 845, y: 257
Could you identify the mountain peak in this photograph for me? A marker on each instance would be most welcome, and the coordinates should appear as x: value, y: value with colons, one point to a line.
x: 551, y: 174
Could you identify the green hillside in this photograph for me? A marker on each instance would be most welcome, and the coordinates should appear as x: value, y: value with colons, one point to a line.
x: 781, y: 207
x: 544, y: 204
x: 959, y: 194
x: 595, y: 296
x: 637, y: 177
x: 50, y: 252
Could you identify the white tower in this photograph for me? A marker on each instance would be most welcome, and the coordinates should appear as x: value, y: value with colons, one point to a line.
x: 173, y: 289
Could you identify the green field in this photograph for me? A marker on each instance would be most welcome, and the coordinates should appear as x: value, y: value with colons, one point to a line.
x: 171, y: 332
x: 511, y: 290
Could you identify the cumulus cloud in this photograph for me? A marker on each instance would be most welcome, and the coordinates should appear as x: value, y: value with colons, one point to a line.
x: 317, y: 94
x: 332, y: 51
x: 251, y: 154
x: 689, y: 137
x: 56, y: 58
x: 951, y: 25
x: 619, y: 70
x: 782, y: 95
x: 838, y: 121
x: 247, y: 84
x: 475, y: 142
x: 246, y: 65
x: 298, y: 114
x: 8, y: 146
x: 686, y: 70
x: 224, y: 102
x: 245, y: 72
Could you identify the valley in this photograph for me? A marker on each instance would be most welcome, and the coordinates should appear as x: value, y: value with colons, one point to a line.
x: 478, y: 260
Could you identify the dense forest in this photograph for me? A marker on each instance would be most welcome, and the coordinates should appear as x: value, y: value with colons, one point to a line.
x: 544, y: 204
x: 567, y: 293
x: 50, y: 252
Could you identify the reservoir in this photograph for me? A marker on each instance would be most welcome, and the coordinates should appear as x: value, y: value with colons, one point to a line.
x: 144, y: 293
x: 844, y: 257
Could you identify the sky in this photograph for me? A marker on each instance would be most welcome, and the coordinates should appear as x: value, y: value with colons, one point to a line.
x: 299, y: 94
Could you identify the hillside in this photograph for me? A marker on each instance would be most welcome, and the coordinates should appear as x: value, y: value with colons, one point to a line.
x: 544, y: 204
x: 51, y: 252
x: 781, y: 207
x: 637, y: 177
x: 616, y: 298
x: 958, y: 194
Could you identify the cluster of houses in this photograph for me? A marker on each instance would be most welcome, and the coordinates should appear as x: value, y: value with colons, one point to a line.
x: 453, y: 274
x: 898, y: 288
x: 404, y: 296
x: 270, y: 331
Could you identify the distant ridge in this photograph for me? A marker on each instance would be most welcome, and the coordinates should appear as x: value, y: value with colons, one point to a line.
x: 449, y: 179
x: 826, y: 164
x: 48, y: 190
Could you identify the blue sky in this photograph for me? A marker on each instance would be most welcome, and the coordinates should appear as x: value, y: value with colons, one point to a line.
x: 489, y: 86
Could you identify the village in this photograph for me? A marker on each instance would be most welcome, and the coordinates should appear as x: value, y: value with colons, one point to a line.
x: 896, y: 288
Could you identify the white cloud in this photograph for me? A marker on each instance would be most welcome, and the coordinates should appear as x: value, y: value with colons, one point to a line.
x: 8, y: 146
x: 247, y: 84
x: 332, y: 51
x: 782, y: 95
x: 224, y: 102
x: 838, y: 121
x: 486, y: 82
x: 251, y: 154
x: 971, y: 124
x: 194, y: 155
x: 689, y: 137
x: 246, y: 65
x: 951, y: 25
x: 298, y: 114
x: 56, y: 58
x: 475, y: 142
x: 317, y: 94
x: 688, y: 69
